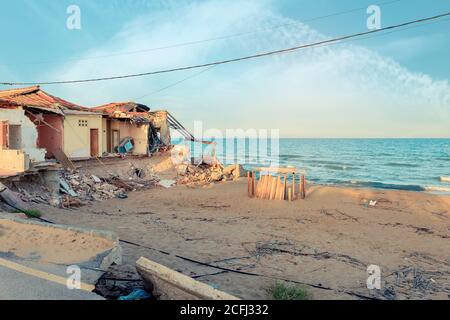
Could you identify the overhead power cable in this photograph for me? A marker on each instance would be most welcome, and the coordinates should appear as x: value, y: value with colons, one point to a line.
x: 201, y: 41
x: 344, y: 41
x: 259, y: 55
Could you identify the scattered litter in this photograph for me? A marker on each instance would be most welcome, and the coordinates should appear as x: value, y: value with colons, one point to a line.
x: 66, y: 188
x: 167, y: 183
x: 372, y: 203
x: 96, y: 179
x: 138, y: 294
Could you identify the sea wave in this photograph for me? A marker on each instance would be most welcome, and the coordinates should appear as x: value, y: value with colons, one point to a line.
x: 445, y: 179
x: 337, y: 167
x: 402, y: 165
x: 381, y: 185
x: 438, y: 189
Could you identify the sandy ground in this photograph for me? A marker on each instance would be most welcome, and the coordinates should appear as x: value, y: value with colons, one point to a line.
x: 49, y: 245
x: 326, y: 241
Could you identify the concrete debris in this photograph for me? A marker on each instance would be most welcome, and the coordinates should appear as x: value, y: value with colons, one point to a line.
x: 77, y: 188
x: 11, y: 198
x: 204, y: 174
x: 167, y: 183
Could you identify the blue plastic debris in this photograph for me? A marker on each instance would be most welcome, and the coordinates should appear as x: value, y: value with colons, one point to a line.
x: 138, y: 294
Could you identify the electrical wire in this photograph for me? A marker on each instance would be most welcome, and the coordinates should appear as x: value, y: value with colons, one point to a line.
x: 196, y: 42
x: 221, y: 62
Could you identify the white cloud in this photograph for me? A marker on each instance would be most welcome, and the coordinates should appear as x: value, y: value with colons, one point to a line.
x: 342, y: 90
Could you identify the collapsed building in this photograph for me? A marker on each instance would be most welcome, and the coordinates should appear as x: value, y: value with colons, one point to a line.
x: 31, y: 128
x: 34, y: 126
x: 40, y: 134
x: 124, y: 122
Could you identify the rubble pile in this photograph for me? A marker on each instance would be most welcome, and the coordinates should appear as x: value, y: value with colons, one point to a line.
x: 203, y: 174
x: 86, y: 187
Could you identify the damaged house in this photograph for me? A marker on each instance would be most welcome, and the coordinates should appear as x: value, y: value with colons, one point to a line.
x: 31, y: 128
x: 132, y: 127
x: 34, y: 126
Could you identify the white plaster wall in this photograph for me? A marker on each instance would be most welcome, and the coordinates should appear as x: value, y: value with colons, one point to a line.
x: 29, y: 132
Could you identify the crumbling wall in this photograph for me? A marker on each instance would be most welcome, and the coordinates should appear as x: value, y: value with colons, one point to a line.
x: 160, y: 122
x: 50, y: 132
x: 28, y: 131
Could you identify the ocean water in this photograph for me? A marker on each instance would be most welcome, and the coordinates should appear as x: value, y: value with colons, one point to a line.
x: 404, y: 164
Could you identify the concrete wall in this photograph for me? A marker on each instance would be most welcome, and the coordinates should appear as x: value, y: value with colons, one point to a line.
x: 14, y: 160
x: 77, y: 139
x: 28, y: 131
x: 138, y: 133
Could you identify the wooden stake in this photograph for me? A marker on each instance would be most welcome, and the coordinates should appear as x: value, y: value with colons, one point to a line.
x: 248, y: 185
x: 294, y: 195
x: 284, y: 187
x: 266, y: 187
x: 302, y: 187
x: 273, y: 188
x: 253, y: 183
x: 279, y: 189
x: 258, y: 187
x: 290, y: 194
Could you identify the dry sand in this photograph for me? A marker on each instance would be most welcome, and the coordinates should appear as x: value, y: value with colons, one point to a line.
x: 49, y: 245
x: 327, y: 240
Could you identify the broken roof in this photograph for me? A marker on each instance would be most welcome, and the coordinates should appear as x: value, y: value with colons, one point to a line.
x: 122, y: 107
x: 34, y: 97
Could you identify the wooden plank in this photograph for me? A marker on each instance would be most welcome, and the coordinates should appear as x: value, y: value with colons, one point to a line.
x: 273, y: 188
x: 253, y: 183
x: 276, y: 170
x: 268, y: 185
x: 259, y: 186
x: 249, y: 185
x: 302, y: 190
x: 160, y: 276
x: 63, y: 159
x: 294, y: 195
x: 290, y: 194
x: 284, y: 187
x: 279, y: 188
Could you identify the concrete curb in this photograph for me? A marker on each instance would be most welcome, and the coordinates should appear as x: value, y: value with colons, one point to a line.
x: 105, y: 258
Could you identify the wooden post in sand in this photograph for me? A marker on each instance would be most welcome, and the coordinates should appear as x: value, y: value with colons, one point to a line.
x: 294, y: 195
x: 302, y: 190
x: 267, y: 189
x: 249, y: 187
x: 273, y: 188
x: 253, y: 183
x: 258, y: 186
x: 284, y: 187
x: 279, y: 188
x: 290, y: 194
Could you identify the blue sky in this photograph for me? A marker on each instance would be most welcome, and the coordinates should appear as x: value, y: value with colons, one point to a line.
x: 389, y: 86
